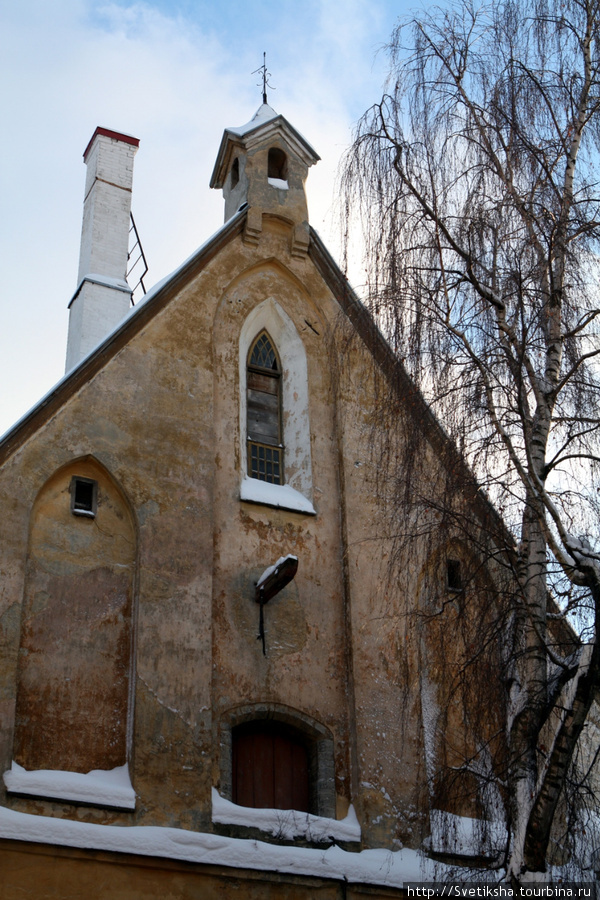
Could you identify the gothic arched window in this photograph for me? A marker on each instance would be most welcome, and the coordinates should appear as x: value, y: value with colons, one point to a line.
x: 264, y: 431
x: 277, y: 164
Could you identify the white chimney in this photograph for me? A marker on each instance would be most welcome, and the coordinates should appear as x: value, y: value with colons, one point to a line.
x: 103, y: 297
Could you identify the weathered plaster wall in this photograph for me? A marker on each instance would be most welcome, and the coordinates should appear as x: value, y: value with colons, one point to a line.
x: 76, y: 636
x: 30, y: 872
x: 305, y: 665
x: 146, y: 418
x: 166, y: 430
x: 388, y: 744
x: 163, y: 418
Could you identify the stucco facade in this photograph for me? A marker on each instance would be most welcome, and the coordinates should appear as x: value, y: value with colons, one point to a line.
x: 129, y: 635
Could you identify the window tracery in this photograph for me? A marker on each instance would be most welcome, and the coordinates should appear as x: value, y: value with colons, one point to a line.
x: 264, y: 431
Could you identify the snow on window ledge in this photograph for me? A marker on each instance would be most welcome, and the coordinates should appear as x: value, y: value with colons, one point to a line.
x: 278, y: 495
x: 280, y: 183
x: 111, y: 788
x: 286, y: 824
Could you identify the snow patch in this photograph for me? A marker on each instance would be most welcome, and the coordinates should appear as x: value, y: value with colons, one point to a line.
x: 263, y: 114
x: 429, y: 714
x: 105, y: 280
x: 280, y: 183
x: 101, y: 787
x: 278, y: 495
x: 286, y: 823
x: 381, y: 867
x: 462, y: 836
x: 272, y: 568
x: 582, y: 552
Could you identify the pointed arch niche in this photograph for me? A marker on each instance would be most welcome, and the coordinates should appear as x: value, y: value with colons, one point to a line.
x: 75, y: 657
x: 295, y: 490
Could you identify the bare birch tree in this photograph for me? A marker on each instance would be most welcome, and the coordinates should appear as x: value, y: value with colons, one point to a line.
x: 476, y: 180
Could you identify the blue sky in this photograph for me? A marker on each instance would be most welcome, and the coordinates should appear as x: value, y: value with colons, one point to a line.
x: 174, y: 74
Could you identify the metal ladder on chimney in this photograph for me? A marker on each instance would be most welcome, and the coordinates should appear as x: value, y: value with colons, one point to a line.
x: 135, y: 256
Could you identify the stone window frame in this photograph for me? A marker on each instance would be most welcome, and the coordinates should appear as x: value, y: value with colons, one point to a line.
x: 274, y: 377
x: 319, y: 743
x: 269, y: 316
x: 79, y: 510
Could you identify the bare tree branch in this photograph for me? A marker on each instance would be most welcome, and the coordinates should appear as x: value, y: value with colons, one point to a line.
x: 476, y: 179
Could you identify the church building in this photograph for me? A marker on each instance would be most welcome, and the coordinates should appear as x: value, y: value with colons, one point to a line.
x: 209, y: 685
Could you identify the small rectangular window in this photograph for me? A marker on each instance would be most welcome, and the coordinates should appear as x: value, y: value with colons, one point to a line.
x: 454, y: 577
x: 84, y: 496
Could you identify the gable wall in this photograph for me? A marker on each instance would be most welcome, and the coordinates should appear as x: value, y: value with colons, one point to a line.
x: 163, y: 418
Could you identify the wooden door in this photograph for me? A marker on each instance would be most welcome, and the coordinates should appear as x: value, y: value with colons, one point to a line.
x: 270, y: 768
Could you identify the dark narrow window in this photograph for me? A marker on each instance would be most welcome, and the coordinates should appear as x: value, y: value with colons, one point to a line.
x: 277, y: 167
x: 84, y: 494
x: 270, y: 767
x: 263, y: 386
x: 235, y: 172
x: 453, y: 575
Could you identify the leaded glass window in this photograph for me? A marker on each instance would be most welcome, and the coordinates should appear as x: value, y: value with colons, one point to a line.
x: 263, y: 384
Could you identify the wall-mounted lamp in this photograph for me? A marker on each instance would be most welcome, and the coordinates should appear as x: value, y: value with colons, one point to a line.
x: 273, y: 580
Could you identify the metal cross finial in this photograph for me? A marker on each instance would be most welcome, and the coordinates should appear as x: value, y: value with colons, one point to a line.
x: 265, y: 77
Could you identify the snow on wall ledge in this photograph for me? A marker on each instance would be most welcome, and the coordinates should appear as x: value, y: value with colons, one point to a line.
x: 378, y: 867
x: 279, y: 495
x: 110, y: 788
x: 286, y: 823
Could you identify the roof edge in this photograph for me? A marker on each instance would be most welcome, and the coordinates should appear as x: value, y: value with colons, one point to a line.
x: 160, y: 295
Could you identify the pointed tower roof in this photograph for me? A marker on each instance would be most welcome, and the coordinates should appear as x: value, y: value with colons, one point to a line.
x: 265, y: 123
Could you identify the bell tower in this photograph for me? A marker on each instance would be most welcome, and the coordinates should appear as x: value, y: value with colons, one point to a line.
x: 263, y: 165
